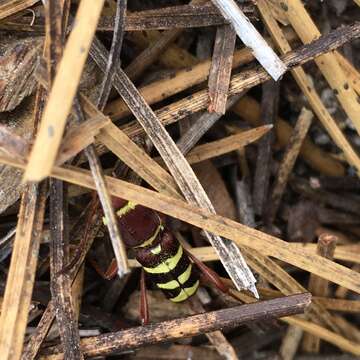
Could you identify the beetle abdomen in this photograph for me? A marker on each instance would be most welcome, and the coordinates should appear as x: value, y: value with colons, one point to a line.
x: 169, y: 267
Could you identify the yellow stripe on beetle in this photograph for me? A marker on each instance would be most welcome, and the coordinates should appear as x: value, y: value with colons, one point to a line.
x: 126, y: 208
x: 149, y: 241
x: 186, y: 293
x: 167, y: 265
x: 173, y: 284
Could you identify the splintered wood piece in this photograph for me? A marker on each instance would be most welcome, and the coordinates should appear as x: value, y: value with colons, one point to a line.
x: 309, y: 90
x: 242, y: 235
x: 220, y: 71
x: 251, y: 38
x: 304, y: 26
x: 269, y: 112
x: 21, y: 276
x: 325, y: 247
x: 11, y: 7
x: 107, y: 344
x: 172, y: 17
x: 63, y: 91
x: 180, y: 169
x: 291, y: 152
x: 249, y: 109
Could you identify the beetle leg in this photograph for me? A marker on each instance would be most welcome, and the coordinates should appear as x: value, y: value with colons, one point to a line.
x: 209, y: 274
x: 144, y: 308
x: 109, y: 273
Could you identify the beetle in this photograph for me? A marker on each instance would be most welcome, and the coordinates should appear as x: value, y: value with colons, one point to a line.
x: 167, y: 264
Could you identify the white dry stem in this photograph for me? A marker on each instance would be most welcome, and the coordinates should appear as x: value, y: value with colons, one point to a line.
x: 251, y: 38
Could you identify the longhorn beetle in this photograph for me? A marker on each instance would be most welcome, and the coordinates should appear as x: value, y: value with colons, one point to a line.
x: 161, y: 255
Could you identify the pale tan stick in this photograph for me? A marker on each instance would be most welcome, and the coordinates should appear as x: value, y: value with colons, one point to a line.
x: 242, y: 235
x: 308, y: 89
x: 327, y: 63
x: 63, y: 91
x: 290, y: 342
x: 21, y: 277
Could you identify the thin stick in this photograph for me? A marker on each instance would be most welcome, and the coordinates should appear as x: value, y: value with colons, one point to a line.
x: 114, y: 55
x: 107, y: 344
x: 297, y: 138
x: 63, y: 91
x: 220, y: 71
x: 105, y: 199
x: 180, y: 169
x: 251, y: 38
x: 269, y: 111
x: 325, y: 247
